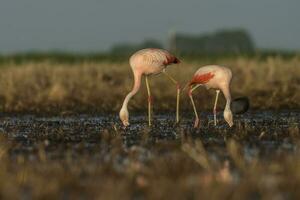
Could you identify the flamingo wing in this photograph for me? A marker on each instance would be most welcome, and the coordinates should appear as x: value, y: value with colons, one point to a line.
x: 201, y: 78
x: 157, y: 57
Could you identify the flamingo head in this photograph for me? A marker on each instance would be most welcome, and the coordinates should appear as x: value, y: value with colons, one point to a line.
x: 228, y: 117
x: 124, y: 116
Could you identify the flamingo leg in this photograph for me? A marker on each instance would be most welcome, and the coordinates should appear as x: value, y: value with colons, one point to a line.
x: 149, y: 101
x: 178, y: 94
x: 215, y: 107
x: 196, y: 124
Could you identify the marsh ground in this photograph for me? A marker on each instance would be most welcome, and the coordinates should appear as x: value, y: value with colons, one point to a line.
x: 92, y: 156
x: 49, y: 150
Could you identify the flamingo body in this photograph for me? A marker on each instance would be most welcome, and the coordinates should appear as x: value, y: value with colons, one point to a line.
x: 212, y: 76
x: 216, y: 77
x: 147, y: 62
x: 151, y: 61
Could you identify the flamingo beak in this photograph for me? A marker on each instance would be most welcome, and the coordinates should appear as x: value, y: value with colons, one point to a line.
x: 125, y: 122
x: 228, y: 117
x: 124, y: 116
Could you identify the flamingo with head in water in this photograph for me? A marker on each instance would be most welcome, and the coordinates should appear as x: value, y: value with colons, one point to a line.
x: 147, y: 62
x: 216, y: 77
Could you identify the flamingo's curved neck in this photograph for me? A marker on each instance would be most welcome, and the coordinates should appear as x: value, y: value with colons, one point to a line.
x: 227, y: 95
x: 135, y: 89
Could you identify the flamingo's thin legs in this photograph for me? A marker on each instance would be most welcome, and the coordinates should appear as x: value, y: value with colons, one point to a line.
x: 196, y: 124
x: 215, y: 107
x: 149, y: 100
x: 178, y: 94
x: 194, y: 88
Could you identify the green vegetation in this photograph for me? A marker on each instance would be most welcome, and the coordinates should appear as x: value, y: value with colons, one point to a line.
x: 221, y: 44
x: 218, y: 43
x: 119, y: 55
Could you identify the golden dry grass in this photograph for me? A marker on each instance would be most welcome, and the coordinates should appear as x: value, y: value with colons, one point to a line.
x: 102, y: 86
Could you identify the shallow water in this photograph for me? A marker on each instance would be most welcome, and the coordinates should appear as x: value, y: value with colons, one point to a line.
x: 261, y: 133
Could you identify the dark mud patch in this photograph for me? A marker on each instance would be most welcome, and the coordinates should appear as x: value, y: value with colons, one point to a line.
x: 265, y: 132
x: 93, y: 157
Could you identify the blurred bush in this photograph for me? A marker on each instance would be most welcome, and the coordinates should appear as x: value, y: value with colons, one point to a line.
x: 221, y: 42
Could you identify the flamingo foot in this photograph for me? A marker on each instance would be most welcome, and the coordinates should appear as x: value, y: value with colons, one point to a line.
x: 196, y: 124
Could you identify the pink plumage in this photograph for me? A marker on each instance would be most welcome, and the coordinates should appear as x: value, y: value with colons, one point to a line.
x: 147, y: 62
x: 151, y: 61
x: 201, y: 78
x: 216, y: 77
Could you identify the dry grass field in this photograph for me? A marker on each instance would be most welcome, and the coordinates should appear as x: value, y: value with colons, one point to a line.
x: 270, y: 83
x: 90, y: 156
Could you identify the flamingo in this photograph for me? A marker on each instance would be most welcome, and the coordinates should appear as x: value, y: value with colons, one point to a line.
x: 148, y: 62
x: 216, y: 77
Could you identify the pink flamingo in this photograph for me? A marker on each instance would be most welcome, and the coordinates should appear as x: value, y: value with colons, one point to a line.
x: 147, y: 62
x: 216, y: 77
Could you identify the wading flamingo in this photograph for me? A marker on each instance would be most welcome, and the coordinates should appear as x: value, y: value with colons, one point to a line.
x: 147, y: 62
x: 216, y: 77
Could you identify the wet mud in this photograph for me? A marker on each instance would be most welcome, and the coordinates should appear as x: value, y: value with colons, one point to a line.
x: 266, y: 133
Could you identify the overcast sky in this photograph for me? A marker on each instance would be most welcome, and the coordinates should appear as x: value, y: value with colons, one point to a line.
x: 95, y: 25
